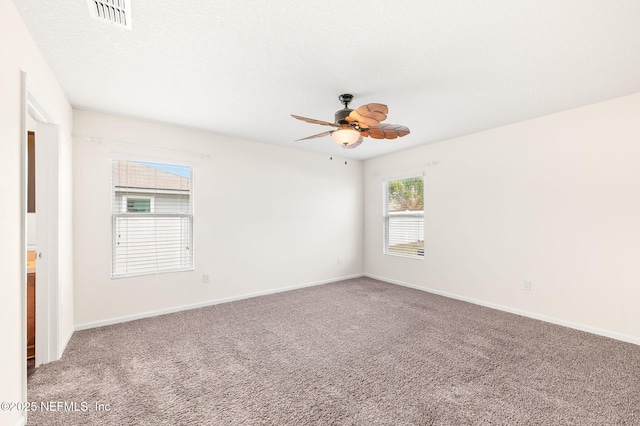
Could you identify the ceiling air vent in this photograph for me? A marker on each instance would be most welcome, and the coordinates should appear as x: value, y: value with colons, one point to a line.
x: 116, y: 12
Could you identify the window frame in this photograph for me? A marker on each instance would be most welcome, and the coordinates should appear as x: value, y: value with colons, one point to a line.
x: 386, y: 215
x: 121, y: 212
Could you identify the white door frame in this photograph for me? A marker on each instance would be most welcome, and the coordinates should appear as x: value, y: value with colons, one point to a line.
x: 47, y: 309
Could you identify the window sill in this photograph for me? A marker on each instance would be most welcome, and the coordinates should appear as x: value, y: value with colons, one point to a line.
x: 406, y: 256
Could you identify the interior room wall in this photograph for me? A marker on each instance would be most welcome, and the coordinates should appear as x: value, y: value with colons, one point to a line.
x: 266, y: 218
x: 552, y: 200
x: 18, y: 52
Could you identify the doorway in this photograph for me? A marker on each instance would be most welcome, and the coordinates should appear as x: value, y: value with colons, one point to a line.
x: 44, y: 243
x: 31, y: 247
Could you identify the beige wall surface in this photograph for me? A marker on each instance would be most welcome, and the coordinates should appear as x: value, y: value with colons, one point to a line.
x: 552, y: 200
x: 265, y: 217
x: 18, y: 53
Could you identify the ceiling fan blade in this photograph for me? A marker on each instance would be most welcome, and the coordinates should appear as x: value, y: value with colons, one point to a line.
x: 369, y: 114
x: 387, y: 131
x: 314, y: 121
x: 356, y: 144
x: 319, y: 135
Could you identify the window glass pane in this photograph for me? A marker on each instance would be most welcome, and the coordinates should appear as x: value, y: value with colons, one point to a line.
x: 406, y: 195
x: 136, y: 205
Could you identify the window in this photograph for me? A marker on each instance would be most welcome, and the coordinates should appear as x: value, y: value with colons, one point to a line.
x: 139, y: 204
x: 152, y: 218
x: 403, y: 217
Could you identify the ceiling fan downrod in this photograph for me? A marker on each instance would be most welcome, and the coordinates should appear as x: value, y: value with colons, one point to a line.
x: 346, y: 99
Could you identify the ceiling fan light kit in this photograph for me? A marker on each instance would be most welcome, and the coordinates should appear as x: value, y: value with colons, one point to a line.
x: 345, y: 137
x: 353, y: 125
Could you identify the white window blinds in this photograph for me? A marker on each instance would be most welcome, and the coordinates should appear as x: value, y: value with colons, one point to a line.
x: 152, y: 218
x: 403, y: 217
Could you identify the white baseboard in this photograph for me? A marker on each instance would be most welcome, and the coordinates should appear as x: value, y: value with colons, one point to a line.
x: 577, y: 326
x: 148, y: 314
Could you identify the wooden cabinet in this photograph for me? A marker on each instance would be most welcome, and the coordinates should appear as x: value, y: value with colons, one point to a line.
x: 31, y: 315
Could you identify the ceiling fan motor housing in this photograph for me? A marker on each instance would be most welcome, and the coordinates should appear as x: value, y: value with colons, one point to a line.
x: 340, y: 116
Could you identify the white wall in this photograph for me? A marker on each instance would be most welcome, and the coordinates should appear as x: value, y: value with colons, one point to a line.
x: 553, y: 200
x: 266, y: 218
x: 18, y: 52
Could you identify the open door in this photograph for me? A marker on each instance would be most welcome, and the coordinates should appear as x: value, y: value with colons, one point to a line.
x: 47, y: 300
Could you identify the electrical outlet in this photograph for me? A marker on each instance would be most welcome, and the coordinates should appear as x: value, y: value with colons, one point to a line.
x: 206, y: 278
x: 526, y: 285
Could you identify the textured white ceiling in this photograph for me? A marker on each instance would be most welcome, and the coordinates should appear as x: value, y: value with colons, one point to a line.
x: 240, y: 67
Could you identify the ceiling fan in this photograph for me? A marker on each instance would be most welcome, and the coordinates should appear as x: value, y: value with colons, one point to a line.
x: 354, y: 124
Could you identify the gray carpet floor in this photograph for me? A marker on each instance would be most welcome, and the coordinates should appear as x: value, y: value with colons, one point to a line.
x: 355, y: 352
